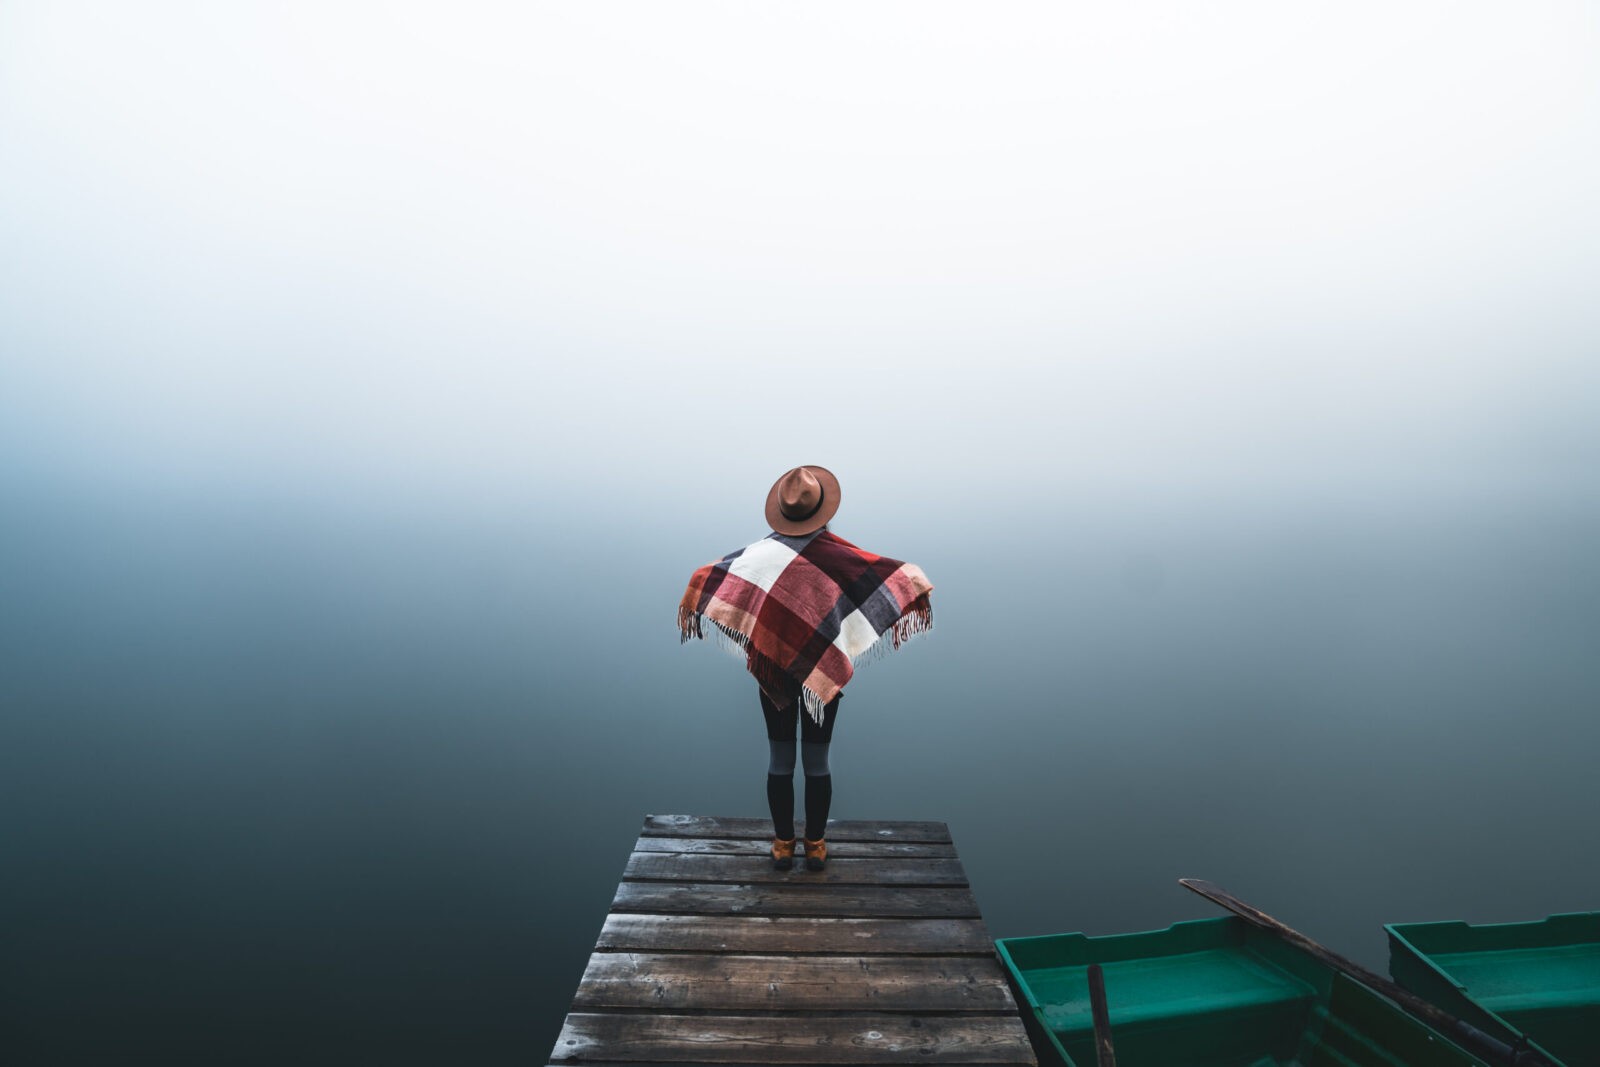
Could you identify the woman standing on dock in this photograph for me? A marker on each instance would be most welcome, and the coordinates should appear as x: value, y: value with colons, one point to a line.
x: 805, y: 606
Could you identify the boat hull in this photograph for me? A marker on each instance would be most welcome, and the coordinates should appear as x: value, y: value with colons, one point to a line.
x: 1209, y: 993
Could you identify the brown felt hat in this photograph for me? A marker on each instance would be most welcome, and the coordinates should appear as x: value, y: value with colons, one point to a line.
x: 803, y: 500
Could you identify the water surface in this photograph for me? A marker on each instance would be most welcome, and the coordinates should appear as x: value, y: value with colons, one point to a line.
x: 357, y: 781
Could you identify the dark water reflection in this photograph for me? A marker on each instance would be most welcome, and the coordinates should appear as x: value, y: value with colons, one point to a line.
x: 354, y: 781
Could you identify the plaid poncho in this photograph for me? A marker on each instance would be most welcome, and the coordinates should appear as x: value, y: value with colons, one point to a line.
x: 806, y: 610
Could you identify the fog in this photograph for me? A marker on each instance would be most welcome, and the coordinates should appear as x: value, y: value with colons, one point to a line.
x: 373, y: 377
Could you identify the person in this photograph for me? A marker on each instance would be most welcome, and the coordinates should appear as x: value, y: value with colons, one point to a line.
x: 805, y: 605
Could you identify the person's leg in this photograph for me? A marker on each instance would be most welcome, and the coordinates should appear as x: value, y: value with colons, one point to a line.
x: 814, y: 743
x: 780, y: 773
x: 780, y: 787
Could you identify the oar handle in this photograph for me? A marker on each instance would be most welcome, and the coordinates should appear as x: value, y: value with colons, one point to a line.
x: 1482, y: 1044
x: 1105, y: 1055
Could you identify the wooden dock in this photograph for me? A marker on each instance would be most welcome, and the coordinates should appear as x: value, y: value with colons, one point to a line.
x: 711, y: 956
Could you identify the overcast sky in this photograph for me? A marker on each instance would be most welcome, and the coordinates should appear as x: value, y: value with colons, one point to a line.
x: 481, y: 246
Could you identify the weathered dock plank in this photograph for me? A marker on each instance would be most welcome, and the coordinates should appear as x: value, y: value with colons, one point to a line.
x: 795, y: 935
x: 757, y: 846
x: 855, y: 1038
x: 839, y: 830
x: 705, y: 982
x: 867, y: 901
x: 711, y: 956
x: 843, y: 870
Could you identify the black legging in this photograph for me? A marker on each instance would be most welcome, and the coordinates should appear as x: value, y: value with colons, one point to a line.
x: 814, y: 741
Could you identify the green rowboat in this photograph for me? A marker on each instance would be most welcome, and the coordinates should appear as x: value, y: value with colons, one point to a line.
x: 1533, y: 981
x: 1210, y: 993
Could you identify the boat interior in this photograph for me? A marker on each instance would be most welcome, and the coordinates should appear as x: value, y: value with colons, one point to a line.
x: 1212, y: 993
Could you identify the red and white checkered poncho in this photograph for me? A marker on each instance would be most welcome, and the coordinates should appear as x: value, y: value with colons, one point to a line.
x: 806, y: 610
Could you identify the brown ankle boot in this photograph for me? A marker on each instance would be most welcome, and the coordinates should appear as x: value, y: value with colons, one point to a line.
x: 816, y: 854
x: 783, y: 854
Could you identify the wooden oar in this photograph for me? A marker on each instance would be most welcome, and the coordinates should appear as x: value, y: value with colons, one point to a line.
x: 1105, y: 1055
x: 1476, y: 1040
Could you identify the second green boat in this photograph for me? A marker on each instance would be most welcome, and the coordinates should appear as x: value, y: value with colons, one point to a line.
x: 1534, y: 982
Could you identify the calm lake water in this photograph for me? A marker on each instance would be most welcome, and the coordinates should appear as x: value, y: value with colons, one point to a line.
x: 353, y: 780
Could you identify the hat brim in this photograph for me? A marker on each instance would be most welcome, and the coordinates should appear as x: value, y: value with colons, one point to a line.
x: 817, y: 519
